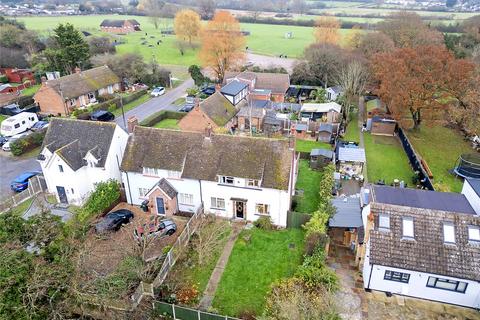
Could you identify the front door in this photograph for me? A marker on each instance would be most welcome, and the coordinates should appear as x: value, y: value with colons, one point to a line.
x: 160, y: 206
x: 239, y: 209
x: 62, y: 195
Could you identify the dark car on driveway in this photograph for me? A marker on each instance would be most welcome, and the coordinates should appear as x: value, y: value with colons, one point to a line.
x: 39, y: 125
x: 102, y: 115
x: 114, y: 221
x: 159, y: 229
x: 208, y: 90
x: 20, y: 183
x: 3, y: 140
x: 186, y: 108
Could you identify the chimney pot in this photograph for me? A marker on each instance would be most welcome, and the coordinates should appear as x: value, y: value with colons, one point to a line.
x: 132, y: 122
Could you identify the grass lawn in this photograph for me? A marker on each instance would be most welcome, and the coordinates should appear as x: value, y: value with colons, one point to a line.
x: 22, y: 207
x: 30, y: 154
x: 30, y: 91
x: 254, y: 265
x: 2, y: 117
x: 353, y: 131
x: 167, y: 124
x: 308, y: 145
x: 309, y: 181
x: 386, y: 159
x: 264, y: 38
x: 440, y: 147
x: 132, y: 104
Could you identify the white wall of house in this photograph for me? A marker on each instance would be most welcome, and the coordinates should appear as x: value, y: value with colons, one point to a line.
x: 373, y: 278
x: 471, y: 196
x: 331, y: 95
x: 78, y: 184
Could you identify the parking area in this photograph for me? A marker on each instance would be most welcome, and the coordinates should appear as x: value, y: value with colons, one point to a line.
x: 11, y: 167
x: 104, y: 253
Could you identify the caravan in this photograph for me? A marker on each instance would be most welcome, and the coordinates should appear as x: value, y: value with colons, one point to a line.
x: 18, y: 123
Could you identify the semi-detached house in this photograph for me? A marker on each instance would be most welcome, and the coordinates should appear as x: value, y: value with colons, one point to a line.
x: 230, y: 176
x: 63, y: 95
x: 77, y: 154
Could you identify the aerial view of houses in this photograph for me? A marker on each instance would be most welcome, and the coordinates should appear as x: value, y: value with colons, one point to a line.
x: 240, y: 160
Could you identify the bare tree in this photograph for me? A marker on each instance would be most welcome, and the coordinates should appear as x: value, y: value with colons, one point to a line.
x: 211, y: 232
x: 206, y: 8
x: 353, y: 78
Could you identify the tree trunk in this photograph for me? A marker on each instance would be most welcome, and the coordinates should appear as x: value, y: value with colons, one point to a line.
x: 416, y: 117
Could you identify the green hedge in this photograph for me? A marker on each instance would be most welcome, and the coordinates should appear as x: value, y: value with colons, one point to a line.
x: 22, y: 145
x: 161, y: 115
x: 105, y: 195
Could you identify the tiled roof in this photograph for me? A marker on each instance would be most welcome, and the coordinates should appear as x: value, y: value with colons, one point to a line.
x: 322, y: 152
x: 425, y: 199
x: 117, y: 23
x: 197, y: 157
x: 73, y: 139
x: 427, y: 252
x: 77, y: 84
x: 348, y: 213
x: 233, y: 88
x: 351, y: 154
x: 321, y: 107
x: 276, y: 82
x: 166, y: 188
x: 219, y: 109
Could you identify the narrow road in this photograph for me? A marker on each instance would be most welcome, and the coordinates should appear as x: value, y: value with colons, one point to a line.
x: 156, y: 104
x: 11, y: 168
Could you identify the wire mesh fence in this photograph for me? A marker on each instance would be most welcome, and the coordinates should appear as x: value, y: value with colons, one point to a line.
x: 36, y: 185
x: 184, y: 313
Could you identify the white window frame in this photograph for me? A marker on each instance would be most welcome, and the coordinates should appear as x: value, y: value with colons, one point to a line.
x: 223, y: 180
x: 408, y: 228
x: 91, y: 96
x: 73, y: 102
x: 448, y: 233
x: 265, y: 209
x: 217, y: 203
x: 150, y: 171
x: 474, y: 234
x: 142, y: 192
x: 60, y: 168
x: 253, y: 183
x: 447, y: 284
x: 384, y: 222
x: 174, y: 174
x: 185, y: 199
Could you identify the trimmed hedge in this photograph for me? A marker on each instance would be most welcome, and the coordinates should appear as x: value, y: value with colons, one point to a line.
x: 161, y: 115
x: 30, y: 142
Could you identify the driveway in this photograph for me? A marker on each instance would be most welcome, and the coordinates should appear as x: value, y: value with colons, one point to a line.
x: 10, y: 167
x: 164, y: 102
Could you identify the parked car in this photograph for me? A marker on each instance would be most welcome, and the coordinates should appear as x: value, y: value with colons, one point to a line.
x: 186, y: 108
x: 158, y: 91
x: 102, y: 115
x: 140, y: 86
x: 3, y: 140
x: 159, y: 229
x: 208, y: 90
x: 39, y: 125
x: 114, y: 221
x: 20, y: 183
x: 6, y: 145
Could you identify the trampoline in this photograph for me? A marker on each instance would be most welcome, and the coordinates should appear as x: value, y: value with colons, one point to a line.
x: 468, y: 166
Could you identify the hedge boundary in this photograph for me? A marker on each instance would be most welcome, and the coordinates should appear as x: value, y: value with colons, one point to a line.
x: 161, y: 115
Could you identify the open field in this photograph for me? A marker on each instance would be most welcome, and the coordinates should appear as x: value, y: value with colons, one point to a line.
x: 264, y: 39
x: 386, y: 159
x: 440, y: 147
x: 244, y: 284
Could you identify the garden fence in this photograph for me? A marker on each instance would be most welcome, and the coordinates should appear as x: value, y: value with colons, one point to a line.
x: 183, y: 313
x: 178, y: 246
x: 36, y: 185
x: 297, y: 219
x: 415, y: 160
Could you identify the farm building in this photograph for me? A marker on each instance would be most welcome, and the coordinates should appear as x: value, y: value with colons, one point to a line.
x: 120, y: 26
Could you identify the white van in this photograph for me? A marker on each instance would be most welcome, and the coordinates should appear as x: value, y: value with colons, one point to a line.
x: 18, y: 123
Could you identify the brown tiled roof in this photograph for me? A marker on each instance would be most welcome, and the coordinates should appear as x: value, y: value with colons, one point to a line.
x: 427, y: 253
x: 73, y: 139
x: 219, y: 109
x: 276, y: 82
x: 166, y: 187
x: 77, y: 84
x: 197, y: 157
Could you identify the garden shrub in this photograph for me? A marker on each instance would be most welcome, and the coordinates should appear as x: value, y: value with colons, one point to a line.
x: 106, y: 97
x: 3, y: 78
x: 313, y: 241
x: 264, y: 223
x: 25, y: 144
x: 103, y: 197
x: 318, y: 223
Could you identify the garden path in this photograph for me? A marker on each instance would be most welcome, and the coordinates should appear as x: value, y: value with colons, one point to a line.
x: 209, y: 294
x: 361, y: 114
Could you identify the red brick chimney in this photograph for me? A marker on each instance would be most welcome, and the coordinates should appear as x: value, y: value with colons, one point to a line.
x: 132, y: 122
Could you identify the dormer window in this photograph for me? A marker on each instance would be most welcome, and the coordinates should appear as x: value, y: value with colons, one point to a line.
x: 253, y: 183
x: 448, y: 233
x: 407, y: 227
x: 474, y: 234
x: 384, y: 222
x: 174, y: 174
x: 150, y: 171
x: 226, y: 180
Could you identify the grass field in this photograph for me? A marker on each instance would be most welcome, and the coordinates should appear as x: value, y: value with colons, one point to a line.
x: 264, y: 39
x: 254, y: 265
x: 309, y: 181
x: 353, y: 131
x: 440, y: 147
x: 386, y: 159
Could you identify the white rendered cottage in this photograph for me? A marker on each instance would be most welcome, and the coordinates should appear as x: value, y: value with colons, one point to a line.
x: 230, y: 176
x: 76, y: 154
x: 422, y: 244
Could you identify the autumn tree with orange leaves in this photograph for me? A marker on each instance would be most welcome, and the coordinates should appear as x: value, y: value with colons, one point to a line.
x: 327, y: 30
x: 187, y: 25
x: 421, y: 83
x: 222, y: 44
